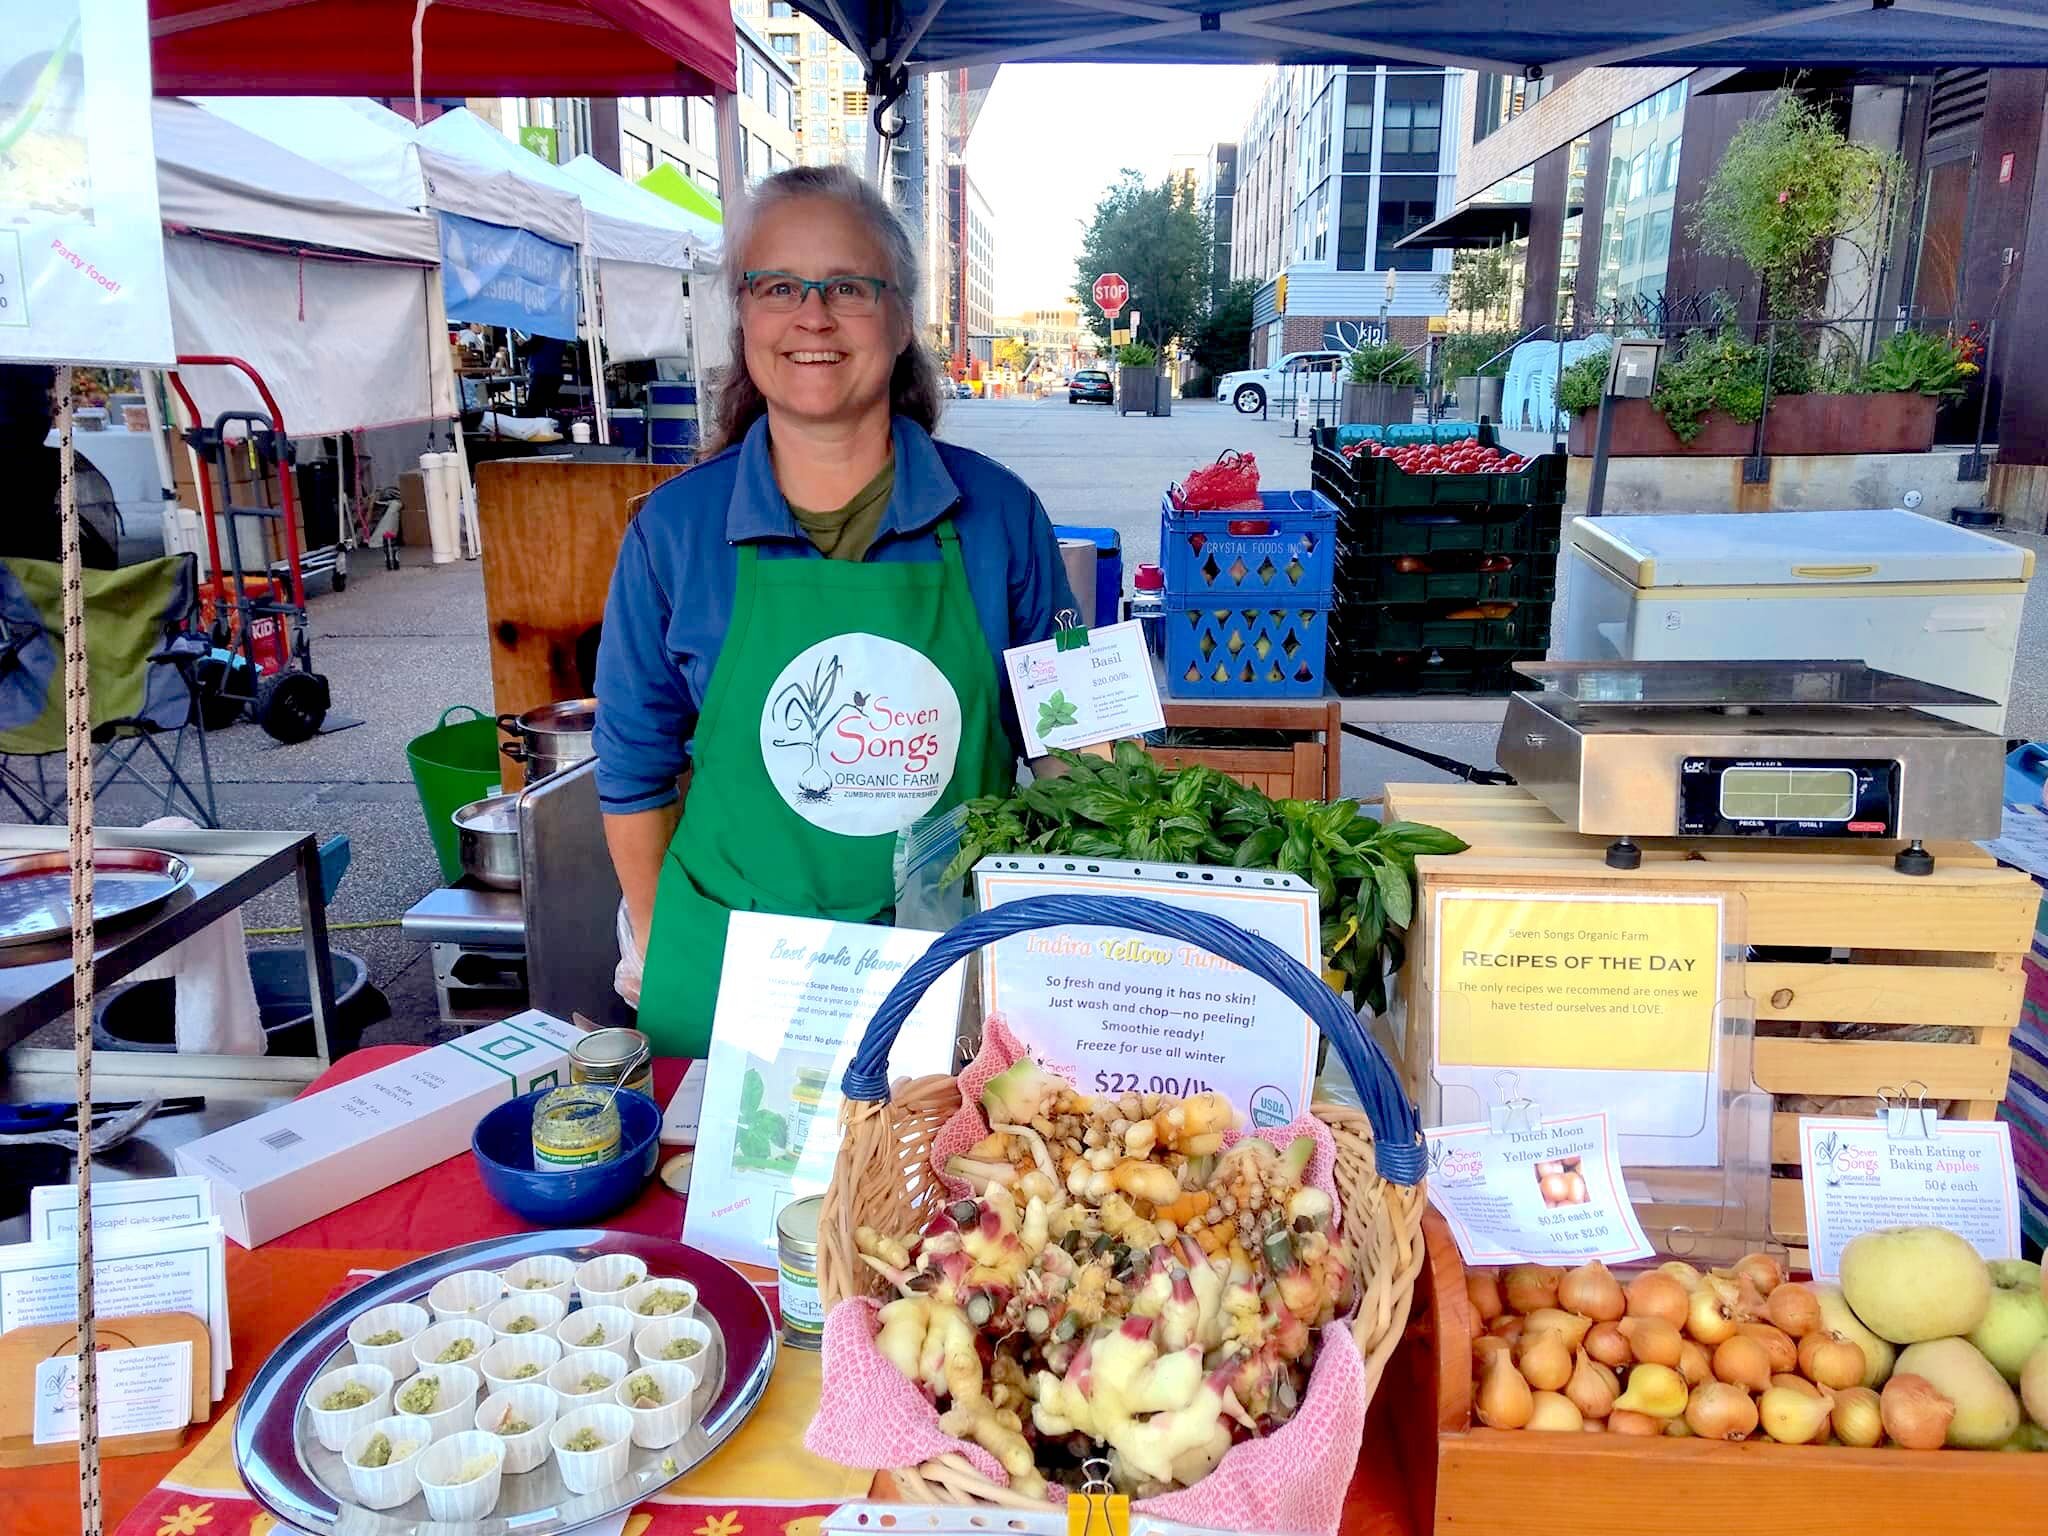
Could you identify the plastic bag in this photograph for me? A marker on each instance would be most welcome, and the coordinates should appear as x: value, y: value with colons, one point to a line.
x: 1231, y: 484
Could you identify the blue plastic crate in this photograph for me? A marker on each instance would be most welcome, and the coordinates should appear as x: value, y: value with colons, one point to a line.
x: 1285, y: 552
x: 1247, y: 653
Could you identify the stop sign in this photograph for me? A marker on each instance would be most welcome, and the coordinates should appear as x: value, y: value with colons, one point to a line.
x: 1111, y: 293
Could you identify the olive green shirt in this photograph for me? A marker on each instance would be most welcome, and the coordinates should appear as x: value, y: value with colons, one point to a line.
x: 848, y: 533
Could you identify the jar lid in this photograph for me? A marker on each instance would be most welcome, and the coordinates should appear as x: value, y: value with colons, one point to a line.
x: 608, y: 1047
x: 1148, y: 578
x: 796, y: 1224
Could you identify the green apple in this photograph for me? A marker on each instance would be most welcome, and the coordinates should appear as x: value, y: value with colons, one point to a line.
x: 2016, y: 1321
x: 2034, y: 1386
x: 1987, y: 1413
x: 1911, y: 1284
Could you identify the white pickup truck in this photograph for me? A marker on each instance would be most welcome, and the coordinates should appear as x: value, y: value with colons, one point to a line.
x: 1249, y: 389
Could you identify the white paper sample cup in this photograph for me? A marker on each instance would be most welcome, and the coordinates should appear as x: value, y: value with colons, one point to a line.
x: 399, y: 1317
x: 540, y: 1311
x: 617, y: 1325
x: 662, y: 1298
x: 333, y: 1426
x: 588, y: 1471
x: 652, y: 1343
x: 454, y: 1407
x: 468, y: 1294
x: 430, y: 1346
x: 390, y: 1485
x: 503, y: 1363
x: 582, y: 1365
x: 604, y: 1281
x: 669, y: 1420
x: 532, y: 1405
x: 527, y: 1276
x: 442, y: 1464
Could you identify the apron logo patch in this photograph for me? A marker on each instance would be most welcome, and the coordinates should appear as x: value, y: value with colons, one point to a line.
x: 859, y: 734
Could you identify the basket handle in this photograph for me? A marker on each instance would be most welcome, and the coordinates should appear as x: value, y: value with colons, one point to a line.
x: 1397, y: 1129
x: 473, y: 710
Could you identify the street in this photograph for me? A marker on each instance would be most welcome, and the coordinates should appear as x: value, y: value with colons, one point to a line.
x: 401, y: 647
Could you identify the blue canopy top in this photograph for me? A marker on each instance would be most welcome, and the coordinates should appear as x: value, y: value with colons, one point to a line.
x: 1509, y: 36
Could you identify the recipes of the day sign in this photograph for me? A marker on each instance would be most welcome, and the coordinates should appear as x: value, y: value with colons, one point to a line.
x: 1588, y: 999
x: 1118, y: 1011
x: 81, y: 241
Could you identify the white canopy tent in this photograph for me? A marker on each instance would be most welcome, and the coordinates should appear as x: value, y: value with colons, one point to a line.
x: 328, y: 289
x: 642, y: 281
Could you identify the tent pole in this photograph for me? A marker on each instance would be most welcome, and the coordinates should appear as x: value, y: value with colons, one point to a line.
x: 1369, y: 47
x: 1997, y: 15
x: 591, y: 343
x: 732, y: 165
x: 1655, y: 48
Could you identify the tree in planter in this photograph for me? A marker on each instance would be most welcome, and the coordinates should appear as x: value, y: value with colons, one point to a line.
x: 1478, y: 284
x: 1789, y: 185
x: 1159, y: 240
x: 1137, y: 354
x: 1223, y: 341
x: 1383, y: 363
x: 1469, y: 354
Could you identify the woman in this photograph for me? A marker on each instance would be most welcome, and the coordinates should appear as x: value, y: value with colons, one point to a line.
x: 827, y: 676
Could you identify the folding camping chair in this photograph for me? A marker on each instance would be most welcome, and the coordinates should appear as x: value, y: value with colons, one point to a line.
x: 142, y: 646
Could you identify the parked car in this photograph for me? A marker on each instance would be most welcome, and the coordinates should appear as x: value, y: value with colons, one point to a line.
x: 1090, y: 384
x: 1250, y: 388
x: 962, y: 390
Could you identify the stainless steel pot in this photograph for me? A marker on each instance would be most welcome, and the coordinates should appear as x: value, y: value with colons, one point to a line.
x: 488, y: 833
x: 551, y: 738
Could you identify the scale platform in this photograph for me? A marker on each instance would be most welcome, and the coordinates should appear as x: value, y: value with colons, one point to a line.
x: 1791, y: 749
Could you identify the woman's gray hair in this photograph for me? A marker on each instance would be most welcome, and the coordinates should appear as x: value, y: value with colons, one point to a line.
x: 914, y: 386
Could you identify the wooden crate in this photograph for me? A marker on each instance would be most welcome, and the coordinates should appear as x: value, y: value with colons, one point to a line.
x: 1308, y: 767
x: 1944, y: 949
x: 1494, y: 1482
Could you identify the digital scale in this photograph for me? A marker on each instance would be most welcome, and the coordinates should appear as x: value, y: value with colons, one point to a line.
x: 1766, y: 749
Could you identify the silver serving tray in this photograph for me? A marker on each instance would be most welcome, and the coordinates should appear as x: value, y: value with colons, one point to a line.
x: 305, y: 1486
x: 35, y: 890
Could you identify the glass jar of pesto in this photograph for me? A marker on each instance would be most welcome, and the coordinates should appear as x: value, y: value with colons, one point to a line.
x: 575, y: 1127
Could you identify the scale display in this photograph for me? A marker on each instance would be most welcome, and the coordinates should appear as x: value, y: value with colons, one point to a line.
x: 1759, y: 797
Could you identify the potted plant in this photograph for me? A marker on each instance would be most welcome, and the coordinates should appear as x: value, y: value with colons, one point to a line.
x: 1380, y: 383
x: 1475, y: 363
x: 1137, y: 380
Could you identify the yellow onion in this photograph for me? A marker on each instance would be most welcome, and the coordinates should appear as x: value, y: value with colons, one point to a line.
x: 1604, y: 1342
x: 1831, y: 1360
x: 1651, y: 1340
x: 1718, y: 1411
x: 1795, y: 1382
x: 1656, y: 1294
x: 1504, y: 1400
x: 1707, y: 1317
x: 1682, y: 1272
x: 1554, y: 1411
x: 1592, y: 1291
x: 1530, y: 1287
x: 1678, y: 1429
x: 1777, y: 1344
x: 1914, y: 1413
x: 1482, y: 1287
x: 1545, y: 1361
x: 1484, y: 1348
x: 1594, y: 1426
x: 1508, y: 1326
x: 1694, y: 1363
x: 1592, y: 1388
x: 1793, y: 1418
x: 1762, y: 1271
x: 1858, y: 1417
x: 1568, y: 1326
x: 1625, y: 1422
x: 1656, y: 1390
x: 1793, y: 1308
x: 1743, y: 1362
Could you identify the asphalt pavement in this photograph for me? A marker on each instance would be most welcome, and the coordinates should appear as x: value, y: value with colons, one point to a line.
x: 399, y: 648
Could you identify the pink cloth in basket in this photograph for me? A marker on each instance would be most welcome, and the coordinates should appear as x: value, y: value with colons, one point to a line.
x: 1291, y: 1483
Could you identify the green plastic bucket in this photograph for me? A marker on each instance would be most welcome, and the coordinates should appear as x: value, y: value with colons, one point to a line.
x: 451, y: 766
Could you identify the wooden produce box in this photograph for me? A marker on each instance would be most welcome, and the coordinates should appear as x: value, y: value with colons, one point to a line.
x: 1908, y: 979
x: 1307, y: 766
x: 1511, y: 1482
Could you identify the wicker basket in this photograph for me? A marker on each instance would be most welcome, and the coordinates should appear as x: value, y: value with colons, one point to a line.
x: 884, y: 1179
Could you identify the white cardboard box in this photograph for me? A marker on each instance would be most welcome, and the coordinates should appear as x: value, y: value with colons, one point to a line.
x: 316, y: 1154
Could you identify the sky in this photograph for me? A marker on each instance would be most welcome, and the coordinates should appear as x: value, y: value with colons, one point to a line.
x: 1052, y: 137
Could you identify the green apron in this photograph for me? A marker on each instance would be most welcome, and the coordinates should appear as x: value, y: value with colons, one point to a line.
x: 848, y: 700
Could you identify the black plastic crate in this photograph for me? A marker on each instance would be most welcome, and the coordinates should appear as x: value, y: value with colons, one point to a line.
x: 1380, y: 482
x: 1412, y: 626
x: 1467, y: 576
x: 1450, y: 530
x: 1438, y: 670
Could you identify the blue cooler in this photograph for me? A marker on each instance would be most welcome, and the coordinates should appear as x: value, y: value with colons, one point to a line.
x: 672, y: 422
x: 1109, y: 567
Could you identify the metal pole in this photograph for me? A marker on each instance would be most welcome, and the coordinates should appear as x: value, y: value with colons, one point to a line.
x: 1596, y: 486
x: 1556, y: 410
x: 1756, y: 470
x: 1974, y: 467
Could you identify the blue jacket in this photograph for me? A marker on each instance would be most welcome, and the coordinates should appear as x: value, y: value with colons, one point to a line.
x: 673, y: 590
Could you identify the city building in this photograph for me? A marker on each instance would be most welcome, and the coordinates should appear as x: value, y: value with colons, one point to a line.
x: 1054, y: 335
x: 1334, y: 169
x: 973, y: 236
x: 1588, y: 185
x: 918, y: 188
x: 832, y: 124
x: 1218, y: 194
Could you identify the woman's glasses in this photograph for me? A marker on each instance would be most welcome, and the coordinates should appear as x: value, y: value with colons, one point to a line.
x: 783, y: 293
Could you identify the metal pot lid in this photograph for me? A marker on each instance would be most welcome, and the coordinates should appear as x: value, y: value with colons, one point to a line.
x: 492, y: 814
x: 568, y: 715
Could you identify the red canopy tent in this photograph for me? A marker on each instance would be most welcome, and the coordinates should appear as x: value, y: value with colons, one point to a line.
x: 469, y: 47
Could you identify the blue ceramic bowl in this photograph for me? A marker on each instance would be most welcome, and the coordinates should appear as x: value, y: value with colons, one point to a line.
x: 564, y: 1197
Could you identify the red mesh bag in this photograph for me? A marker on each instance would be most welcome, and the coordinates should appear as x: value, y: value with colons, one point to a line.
x: 1231, y: 484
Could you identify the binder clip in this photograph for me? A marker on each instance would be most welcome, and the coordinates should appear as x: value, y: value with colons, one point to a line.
x: 1511, y: 1113
x: 1905, y: 1112
x: 1069, y: 634
x: 1098, y: 1509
